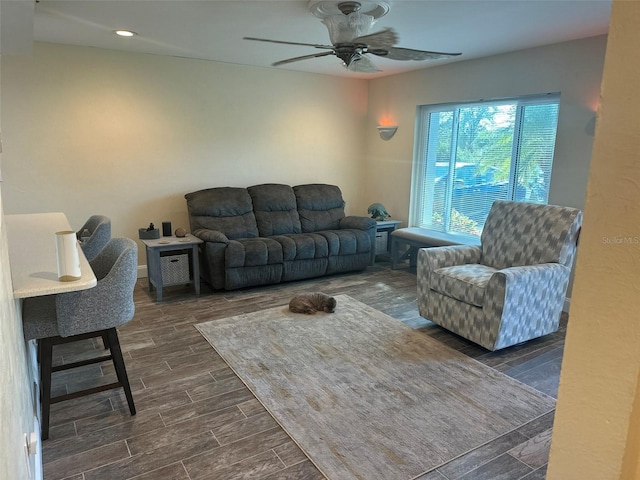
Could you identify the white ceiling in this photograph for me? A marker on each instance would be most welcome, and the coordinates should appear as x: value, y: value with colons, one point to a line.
x: 213, y: 29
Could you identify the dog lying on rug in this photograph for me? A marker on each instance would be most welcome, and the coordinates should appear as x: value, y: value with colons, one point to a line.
x: 310, y: 303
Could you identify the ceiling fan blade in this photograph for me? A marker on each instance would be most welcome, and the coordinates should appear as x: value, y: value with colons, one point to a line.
x: 363, y: 64
x: 397, y: 53
x: 384, y: 39
x: 314, y: 45
x: 304, y: 57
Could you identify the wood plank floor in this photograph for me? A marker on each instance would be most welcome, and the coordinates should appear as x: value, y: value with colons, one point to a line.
x: 196, y: 420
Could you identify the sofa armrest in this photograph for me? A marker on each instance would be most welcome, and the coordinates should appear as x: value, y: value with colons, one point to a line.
x: 526, y: 299
x: 211, y: 235
x: 358, y: 223
x: 366, y: 224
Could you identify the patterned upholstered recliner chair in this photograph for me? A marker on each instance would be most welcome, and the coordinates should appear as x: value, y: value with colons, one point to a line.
x: 512, y: 287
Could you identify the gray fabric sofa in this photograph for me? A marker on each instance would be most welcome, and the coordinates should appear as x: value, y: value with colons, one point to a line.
x: 273, y: 233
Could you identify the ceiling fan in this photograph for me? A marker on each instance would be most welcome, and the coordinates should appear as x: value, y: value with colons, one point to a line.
x: 351, y: 41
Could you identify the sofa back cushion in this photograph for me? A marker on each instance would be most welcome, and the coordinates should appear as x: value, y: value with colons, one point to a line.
x: 275, y: 208
x: 226, y: 209
x: 518, y: 233
x: 320, y: 207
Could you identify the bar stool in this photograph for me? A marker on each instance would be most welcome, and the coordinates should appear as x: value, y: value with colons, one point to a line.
x: 73, y: 316
x: 99, y: 228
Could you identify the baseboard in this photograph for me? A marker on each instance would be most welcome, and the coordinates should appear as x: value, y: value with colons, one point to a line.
x: 142, y: 271
x: 567, y: 304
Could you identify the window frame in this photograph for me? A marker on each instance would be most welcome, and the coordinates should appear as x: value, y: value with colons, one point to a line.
x: 423, y: 171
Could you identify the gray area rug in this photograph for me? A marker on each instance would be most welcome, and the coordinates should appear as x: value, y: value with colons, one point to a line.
x: 365, y: 396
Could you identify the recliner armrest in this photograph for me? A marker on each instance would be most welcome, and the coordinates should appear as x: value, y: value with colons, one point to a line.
x: 517, y: 298
x: 529, y: 278
x: 438, y: 257
x: 211, y: 235
x: 530, y: 273
x: 358, y: 222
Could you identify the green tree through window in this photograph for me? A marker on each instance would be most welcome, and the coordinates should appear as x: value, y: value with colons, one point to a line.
x: 468, y: 155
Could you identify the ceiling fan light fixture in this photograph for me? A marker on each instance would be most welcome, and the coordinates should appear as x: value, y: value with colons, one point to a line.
x: 125, y: 33
x: 325, y: 8
x: 344, y: 28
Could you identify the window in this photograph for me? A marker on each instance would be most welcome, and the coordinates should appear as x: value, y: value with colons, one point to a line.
x: 468, y: 155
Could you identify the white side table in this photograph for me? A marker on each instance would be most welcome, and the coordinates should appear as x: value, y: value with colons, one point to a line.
x: 156, y: 265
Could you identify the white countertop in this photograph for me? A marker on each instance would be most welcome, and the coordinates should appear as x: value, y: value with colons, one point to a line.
x: 32, y: 254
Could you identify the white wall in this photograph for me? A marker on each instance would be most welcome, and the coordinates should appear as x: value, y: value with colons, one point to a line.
x: 127, y: 135
x: 17, y: 412
x: 572, y: 68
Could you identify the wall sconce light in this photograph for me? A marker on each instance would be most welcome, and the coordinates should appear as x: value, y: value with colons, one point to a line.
x: 387, y: 132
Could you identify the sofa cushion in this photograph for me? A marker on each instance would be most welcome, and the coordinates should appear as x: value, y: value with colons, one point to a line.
x: 253, y: 252
x: 320, y: 207
x: 347, y: 242
x: 466, y: 283
x: 225, y: 209
x: 275, y: 208
x: 303, y: 246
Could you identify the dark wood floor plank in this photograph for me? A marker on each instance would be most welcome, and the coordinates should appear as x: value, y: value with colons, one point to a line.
x: 209, y: 357
x: 433, y: 475
x: 538, y: 425
x: 244, y: 427
x: 96, y: 437
x: 203, y: 407
x: 539, y: 474
x: 207, y: 464
x: 154, y: 459
x: 530, y: 360
x: 251, y: 468
x: 179, y: 431
x: 251, y: 407
x: 478, y: 457
x: 290, y: 453
x: 65, y: 412
x: 215, y: 387
x: 160, y: 399
x: 544, y: 378
x: 535, y: 451
x: 175, y: 471
x: 504, y: 467
x: 78, y: 463
x: 301, y: 471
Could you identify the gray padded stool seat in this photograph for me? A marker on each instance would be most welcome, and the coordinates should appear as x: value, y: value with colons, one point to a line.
x: 96, y: 312
x: 99, y: 227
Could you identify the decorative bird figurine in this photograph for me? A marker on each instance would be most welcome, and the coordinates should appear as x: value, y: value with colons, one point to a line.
x: 377, y: 211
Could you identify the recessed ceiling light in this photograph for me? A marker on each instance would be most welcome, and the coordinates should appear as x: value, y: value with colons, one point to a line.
x: 125, y: 33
